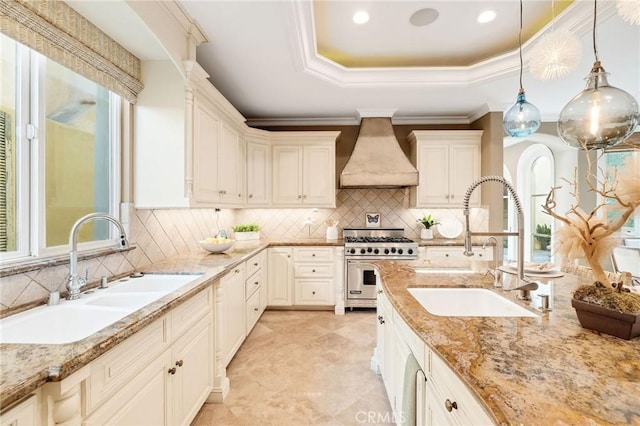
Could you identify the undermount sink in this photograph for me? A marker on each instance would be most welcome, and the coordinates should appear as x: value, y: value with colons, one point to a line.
x: 467, y: 302
x: 74, y: 320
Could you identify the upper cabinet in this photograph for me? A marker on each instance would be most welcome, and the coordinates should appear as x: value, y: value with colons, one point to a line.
x: 448, y: 162
x: 215, y: 149
x: 304, y: 169
x: 258, y: 169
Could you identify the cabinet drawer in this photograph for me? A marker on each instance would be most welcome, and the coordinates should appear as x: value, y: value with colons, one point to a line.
x: 189, y: 312
x: 322, y: 254
x: 253, y: 311
x: 447, y: 257
x: 255, y: 263
x: 313, y: 270
x: 23, y: 414
x: 120, y: 365
x: 313, y: 292
x: 451, y: 387
x: 253, y: 283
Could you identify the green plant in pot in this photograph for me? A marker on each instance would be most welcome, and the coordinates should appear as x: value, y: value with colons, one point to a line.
x: 543, y: 229
x: 246, y: 231
x: 428, y: 221
x: 602, y: 305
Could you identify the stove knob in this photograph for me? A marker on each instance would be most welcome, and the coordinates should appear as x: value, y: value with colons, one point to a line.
x: 352, y: 251
x: 386, y: 251
x: 393, y: 250
x: 410, y: 251
x: 376, y: 251
x: 399, y: 251
x: 362, y: 251
x: 369, y: 249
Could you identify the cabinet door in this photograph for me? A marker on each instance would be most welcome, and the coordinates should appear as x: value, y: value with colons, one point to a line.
x: 318, y: 176
x: 233, y: 305
x: 280, y: 282
x: 258, y: 171
x: 192, y: 382
x: 228, y: 162
x: 433, y: 184
x: 287, y: 175
x: 464, y: 169
x: 24, y: 414
x: 143, y: 401
x: 206, y: 134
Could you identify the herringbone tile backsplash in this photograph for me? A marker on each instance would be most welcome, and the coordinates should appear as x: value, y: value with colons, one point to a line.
x: 163, y: 233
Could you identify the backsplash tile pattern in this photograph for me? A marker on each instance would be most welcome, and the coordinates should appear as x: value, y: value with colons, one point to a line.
x: 352, y: 205
x: 162, y: 233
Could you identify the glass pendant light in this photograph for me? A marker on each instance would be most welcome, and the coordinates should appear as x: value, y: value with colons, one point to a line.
x: 601, y: 115
x: 523, y: 118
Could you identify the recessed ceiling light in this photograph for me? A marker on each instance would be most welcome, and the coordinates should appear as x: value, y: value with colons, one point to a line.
x: 423, y: 17
x: 361, y: 17
x: 486, y: 16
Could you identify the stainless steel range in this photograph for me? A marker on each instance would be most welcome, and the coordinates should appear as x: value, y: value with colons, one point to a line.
x: 363, y: 245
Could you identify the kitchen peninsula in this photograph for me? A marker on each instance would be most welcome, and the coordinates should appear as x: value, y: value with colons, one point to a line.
x: 543, y: 370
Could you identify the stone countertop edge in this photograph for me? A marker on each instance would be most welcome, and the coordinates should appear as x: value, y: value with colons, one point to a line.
x: 544, y: 370
x: 26, y: 367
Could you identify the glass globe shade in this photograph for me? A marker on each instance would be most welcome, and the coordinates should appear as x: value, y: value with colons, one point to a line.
x: 522, y: 119
x: 600, y: 116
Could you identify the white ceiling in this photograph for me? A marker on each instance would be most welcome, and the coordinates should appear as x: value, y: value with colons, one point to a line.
x: 263, y: 57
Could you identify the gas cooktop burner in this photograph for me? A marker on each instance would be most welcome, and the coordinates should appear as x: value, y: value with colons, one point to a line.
x: 363, y: 239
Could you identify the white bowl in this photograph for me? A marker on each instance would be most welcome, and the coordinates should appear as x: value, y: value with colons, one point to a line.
x: 216, y: 248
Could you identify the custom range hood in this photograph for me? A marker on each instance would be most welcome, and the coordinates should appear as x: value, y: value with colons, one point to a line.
x: 377, y: 161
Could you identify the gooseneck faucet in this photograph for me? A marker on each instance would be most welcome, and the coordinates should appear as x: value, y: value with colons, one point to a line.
x: 523, y: 284
x: 75, y: 282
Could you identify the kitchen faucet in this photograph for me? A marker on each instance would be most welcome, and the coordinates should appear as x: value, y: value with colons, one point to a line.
x: 523, y: 285
x: 75, y: 282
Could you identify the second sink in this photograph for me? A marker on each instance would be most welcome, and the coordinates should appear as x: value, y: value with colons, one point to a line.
x: 467, y: 302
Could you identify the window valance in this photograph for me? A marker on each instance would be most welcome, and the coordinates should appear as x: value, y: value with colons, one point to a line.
x: 54, y: 29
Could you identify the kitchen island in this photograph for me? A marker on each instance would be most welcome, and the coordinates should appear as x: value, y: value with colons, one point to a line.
x: 537, y: 371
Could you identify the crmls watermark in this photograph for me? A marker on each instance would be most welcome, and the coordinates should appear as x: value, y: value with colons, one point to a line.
x: 377, y: 417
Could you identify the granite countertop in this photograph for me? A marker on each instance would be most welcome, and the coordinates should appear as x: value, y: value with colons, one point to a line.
x: 26, y: 367
x: 535, y: 371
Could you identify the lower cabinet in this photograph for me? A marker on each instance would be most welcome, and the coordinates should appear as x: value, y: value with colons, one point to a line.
x: 134, y: 384
x: 26, y: 413
x: 233, y: 326
x: 302, y: 276
x: 446, y: 400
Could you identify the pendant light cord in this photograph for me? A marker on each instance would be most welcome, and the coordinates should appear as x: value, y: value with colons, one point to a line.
x: 520, y: 45
x: 595, y: 14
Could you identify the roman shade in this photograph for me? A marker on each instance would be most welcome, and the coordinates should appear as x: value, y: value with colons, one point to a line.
x: 54, y: 29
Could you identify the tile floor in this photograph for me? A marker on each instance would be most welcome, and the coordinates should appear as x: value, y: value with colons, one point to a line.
x: 304, y: 368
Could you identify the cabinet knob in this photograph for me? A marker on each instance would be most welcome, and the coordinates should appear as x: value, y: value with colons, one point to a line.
x: 446, y: 196
x: 250, y: 195
x: 313, y: 270
x: 304, y: 196
x: 379, y: 291
x: 179, y: 363
x: 313, y: 255
x: 450, y: 406
x: 453, y: 196
x: 255, y: 309
x: 239, y: 195
x: 255, y: 264
x: 299, y: 197
x: 446, y: 255
x: 172, y: 370
x: 237, y: 271
x: 380, y: 319
x: 256, y: 283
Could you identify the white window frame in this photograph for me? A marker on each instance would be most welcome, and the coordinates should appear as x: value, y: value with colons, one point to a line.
x: 30, y: 197
x: 525, y: 162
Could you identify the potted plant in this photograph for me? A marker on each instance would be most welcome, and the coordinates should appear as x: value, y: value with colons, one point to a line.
x: 542, y: 242
x: 427, y: 221
x: 601, y: 305
x: 246, y: 231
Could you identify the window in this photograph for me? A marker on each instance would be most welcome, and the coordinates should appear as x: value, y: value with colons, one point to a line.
x: 612, y: 164
x: 59, y: 143
x: 535, y: 178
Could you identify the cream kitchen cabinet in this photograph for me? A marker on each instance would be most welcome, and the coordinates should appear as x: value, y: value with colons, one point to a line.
x: 233, y: 327
x: 448, y: 162
x: 451, y: 256
x: 25, y: 413
x: 160, y: 376
x: 258, y: 170
x: 304, y: 169
x: 255, y: 286
x: 280, y: 282
x: 446, y: 400
x: 218, y: 158
x: 314, y: 276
